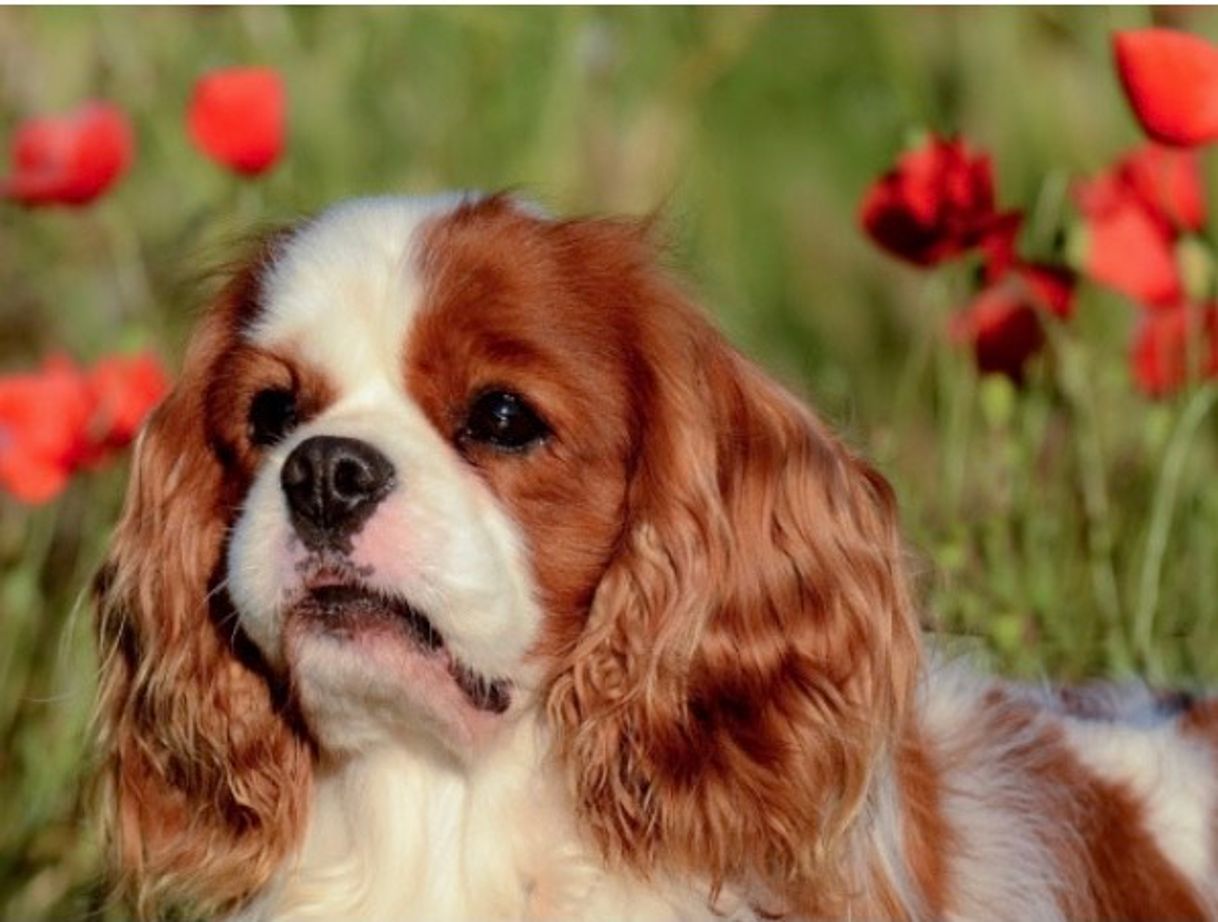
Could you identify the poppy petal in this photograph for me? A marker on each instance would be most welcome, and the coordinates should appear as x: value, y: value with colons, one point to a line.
x: 236, y: 116
x: 1050, y: 288
x: 124, y: 390
x: 69, y: 160
x: 1002, y: 328
x: 934, y: 204
x: 1128, y: 248
x: 1168, y: 181
x: 998, y: 244
x: 43, y: 418
x: 29, y: 478
x: 1171, y: 81
x: 1159, y: 357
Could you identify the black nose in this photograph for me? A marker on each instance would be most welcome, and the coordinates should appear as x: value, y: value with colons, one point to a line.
x: 332, y: 485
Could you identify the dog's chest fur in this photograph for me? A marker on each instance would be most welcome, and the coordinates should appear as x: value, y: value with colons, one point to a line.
x: 397, y: 834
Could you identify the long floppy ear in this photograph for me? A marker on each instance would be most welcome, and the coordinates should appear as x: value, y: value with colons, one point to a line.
x: 204, y: 777
x: 750, y: 650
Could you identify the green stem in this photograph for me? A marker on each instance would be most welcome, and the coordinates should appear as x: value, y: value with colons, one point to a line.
x: 955, y: 384
x: 251, y: 205
x: 933, y: 298
x: 129, y: 267
x: 22, y: 631
x: 1047, y: 212
x: 960, y: 386
x: 1094, y: 486
x: 1163, y: 509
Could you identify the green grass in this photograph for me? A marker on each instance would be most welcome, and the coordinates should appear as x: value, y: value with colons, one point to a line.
x: 1068, y: 529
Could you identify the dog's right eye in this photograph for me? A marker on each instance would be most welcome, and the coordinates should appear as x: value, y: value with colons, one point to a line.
x: 272, y: 416
x: 503, y: 420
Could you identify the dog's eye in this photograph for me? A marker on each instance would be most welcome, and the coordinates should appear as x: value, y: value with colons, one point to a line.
x: 503, y: 420
x: 272, y: 416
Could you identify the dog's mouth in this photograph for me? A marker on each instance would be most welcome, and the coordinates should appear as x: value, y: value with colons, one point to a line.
x: 341, y: 609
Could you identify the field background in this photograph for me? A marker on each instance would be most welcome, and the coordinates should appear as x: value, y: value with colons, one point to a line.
x: 1065, y: 530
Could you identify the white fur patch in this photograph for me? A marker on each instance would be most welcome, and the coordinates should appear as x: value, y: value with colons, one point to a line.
x: 1002, y: 866
x: 883, y: 837
x: 1174, y: 780
x: 401, y: 835
x: 999, y: 868
x: 345, y: 288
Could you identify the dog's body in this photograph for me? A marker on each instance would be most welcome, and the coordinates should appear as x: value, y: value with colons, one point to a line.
x: 1017, y: 806
x: 469, y: 575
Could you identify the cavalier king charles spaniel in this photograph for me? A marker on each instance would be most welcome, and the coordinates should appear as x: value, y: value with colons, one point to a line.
x: 469, y: 574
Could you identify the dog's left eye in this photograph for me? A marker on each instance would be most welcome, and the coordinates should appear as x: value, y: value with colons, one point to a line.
x: 272, y: 416
x: 503, y: 420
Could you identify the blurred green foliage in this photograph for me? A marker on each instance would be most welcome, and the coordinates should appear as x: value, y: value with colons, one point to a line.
x: 1069, y: 528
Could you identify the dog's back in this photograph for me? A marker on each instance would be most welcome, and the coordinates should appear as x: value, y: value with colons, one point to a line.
x: 1094, y: 802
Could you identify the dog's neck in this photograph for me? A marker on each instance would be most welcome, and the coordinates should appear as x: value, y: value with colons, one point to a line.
x: 409, y: 832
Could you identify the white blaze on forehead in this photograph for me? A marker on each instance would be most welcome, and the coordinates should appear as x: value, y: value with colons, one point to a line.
x: 344, y: 289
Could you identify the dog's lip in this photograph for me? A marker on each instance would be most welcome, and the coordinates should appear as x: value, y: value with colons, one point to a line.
x: 346, y: 601
x: 338, y: 604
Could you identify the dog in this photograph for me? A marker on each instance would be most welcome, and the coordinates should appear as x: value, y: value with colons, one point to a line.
x: 469, y: 574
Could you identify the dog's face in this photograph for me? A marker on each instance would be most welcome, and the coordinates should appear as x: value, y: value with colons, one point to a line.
x: 436, y: 434
x: 432, y: 466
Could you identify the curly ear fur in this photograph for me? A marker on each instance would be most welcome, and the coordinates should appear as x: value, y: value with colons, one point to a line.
x: 203, y: 774
x: 750, y: 651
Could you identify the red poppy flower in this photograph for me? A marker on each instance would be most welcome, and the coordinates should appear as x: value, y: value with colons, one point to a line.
x: 124, y: 389
x: 1002, y: 327
x: 236, y: 116
x: 55, y: 421
x: 69, y: 160
x: 1050, y: 288
x: 1168, y: 183
x: 43, y: 416
x: 1129, y: 247
x: 934, y: 204
x: 1171, y: 80
x: 998, y: 244
x: 1044, y: 286
x: 1161, y: 348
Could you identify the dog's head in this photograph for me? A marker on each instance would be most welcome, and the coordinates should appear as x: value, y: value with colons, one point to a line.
x: 432, y: 465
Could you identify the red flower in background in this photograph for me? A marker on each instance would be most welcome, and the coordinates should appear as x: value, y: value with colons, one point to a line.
x: 1134, y: 214
x: 998, y: 244
x: 934, y: 204
x: 69, y: 160
x: 1002, y: 327
x: 1050, y: 288
x: 124, y: 389
x: 42, y: 419
x: 1168, y: 183
x: 236, y: 117
x: 1162, y: 351
x: 1137, y: 213
x: 1044, y: 286
x: 1003, y: 323
x: 938, y: 202
x: 55, y: 421
x: 1171, y: 80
